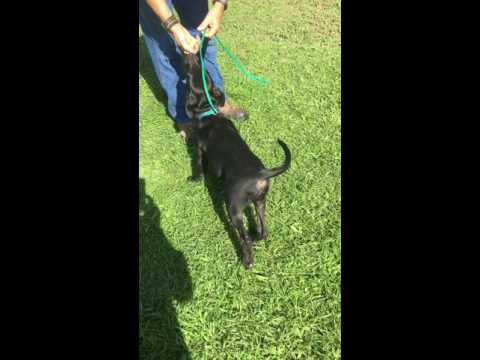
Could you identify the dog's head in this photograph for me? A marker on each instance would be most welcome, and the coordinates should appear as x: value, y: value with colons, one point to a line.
x: 196, y: 101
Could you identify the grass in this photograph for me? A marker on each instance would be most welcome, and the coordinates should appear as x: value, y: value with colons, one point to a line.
x: 196, y: 299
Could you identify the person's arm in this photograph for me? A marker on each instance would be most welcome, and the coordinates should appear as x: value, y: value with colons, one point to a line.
x: 181, y: 35
x: 214, y: 18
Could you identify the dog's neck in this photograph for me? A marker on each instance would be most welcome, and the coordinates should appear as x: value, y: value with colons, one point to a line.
x: 206, y: 113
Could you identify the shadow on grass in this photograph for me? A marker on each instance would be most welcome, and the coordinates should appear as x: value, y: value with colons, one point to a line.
x: 214, y: 187
x: 164, y: 278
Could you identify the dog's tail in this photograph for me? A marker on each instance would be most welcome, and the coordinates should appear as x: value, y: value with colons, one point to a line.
x: 268, y: 173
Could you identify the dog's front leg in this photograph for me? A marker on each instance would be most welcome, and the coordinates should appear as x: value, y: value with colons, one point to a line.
x: 198, y: 165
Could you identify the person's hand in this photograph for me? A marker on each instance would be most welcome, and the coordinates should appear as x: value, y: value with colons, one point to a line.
x: 184, y: 40
x: 213, y: 20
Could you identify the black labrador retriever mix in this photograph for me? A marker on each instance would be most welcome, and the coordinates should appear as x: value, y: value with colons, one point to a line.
x: 228, y: 157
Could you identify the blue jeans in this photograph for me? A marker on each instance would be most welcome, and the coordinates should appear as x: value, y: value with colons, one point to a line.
x: 166, y: 56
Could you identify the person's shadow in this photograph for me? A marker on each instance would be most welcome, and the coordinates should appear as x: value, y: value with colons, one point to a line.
x: 164, y: 278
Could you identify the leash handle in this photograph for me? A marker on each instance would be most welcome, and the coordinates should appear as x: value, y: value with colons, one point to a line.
x: 239, y: 65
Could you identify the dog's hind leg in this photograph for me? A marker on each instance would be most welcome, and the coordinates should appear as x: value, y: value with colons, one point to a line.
x: 236, y: 215
x: 260, y: 210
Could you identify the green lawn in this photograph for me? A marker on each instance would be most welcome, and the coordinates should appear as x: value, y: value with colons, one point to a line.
x: 196, y: 299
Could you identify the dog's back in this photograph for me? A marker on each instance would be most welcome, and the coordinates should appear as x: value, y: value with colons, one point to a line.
x: 226, y: 149
x: 229, y: 157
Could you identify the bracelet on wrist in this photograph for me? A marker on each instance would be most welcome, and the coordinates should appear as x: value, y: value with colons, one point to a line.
x: 168, y: 24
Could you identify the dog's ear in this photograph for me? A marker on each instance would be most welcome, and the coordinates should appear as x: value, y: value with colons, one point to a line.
x: 190, y: 102
x: 189, y: 61
x: 219, y: 96
x: 188, y: 112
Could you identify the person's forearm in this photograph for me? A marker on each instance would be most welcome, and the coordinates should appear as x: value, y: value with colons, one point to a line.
x: 218, y: 5
x: 222, y: 3
x: 160, y: 8
x: 180, y: 35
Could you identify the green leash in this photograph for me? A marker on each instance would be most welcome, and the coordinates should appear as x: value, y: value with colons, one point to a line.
x: 240, y: 66
x: 235, y: 61
x: 213, y: 110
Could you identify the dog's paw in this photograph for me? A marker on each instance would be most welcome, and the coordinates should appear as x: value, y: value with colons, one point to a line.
x: 195, y: 178
x: 261, y: 235
x: 247, y: 262
x: 247, y: 266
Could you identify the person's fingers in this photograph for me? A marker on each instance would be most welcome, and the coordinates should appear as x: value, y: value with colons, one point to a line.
x: 204, y: 23
x: 186, y: 47
x: 191, y: 48
x: 189, y: 43
x: 210, y: 31
x: 195, y: 47
x: 197, y: 43
x: 213, y: 30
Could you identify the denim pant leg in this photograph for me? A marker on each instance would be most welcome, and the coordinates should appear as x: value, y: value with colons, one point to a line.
x: 166, y: 61
x: 165, y: 55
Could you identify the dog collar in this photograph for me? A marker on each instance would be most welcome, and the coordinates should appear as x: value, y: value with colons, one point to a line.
x: 206, y: 113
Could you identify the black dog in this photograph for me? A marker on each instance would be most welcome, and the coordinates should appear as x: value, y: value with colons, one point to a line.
x: 228, y: 157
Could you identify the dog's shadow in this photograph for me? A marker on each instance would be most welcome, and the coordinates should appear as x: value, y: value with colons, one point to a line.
x: 214, y: 187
